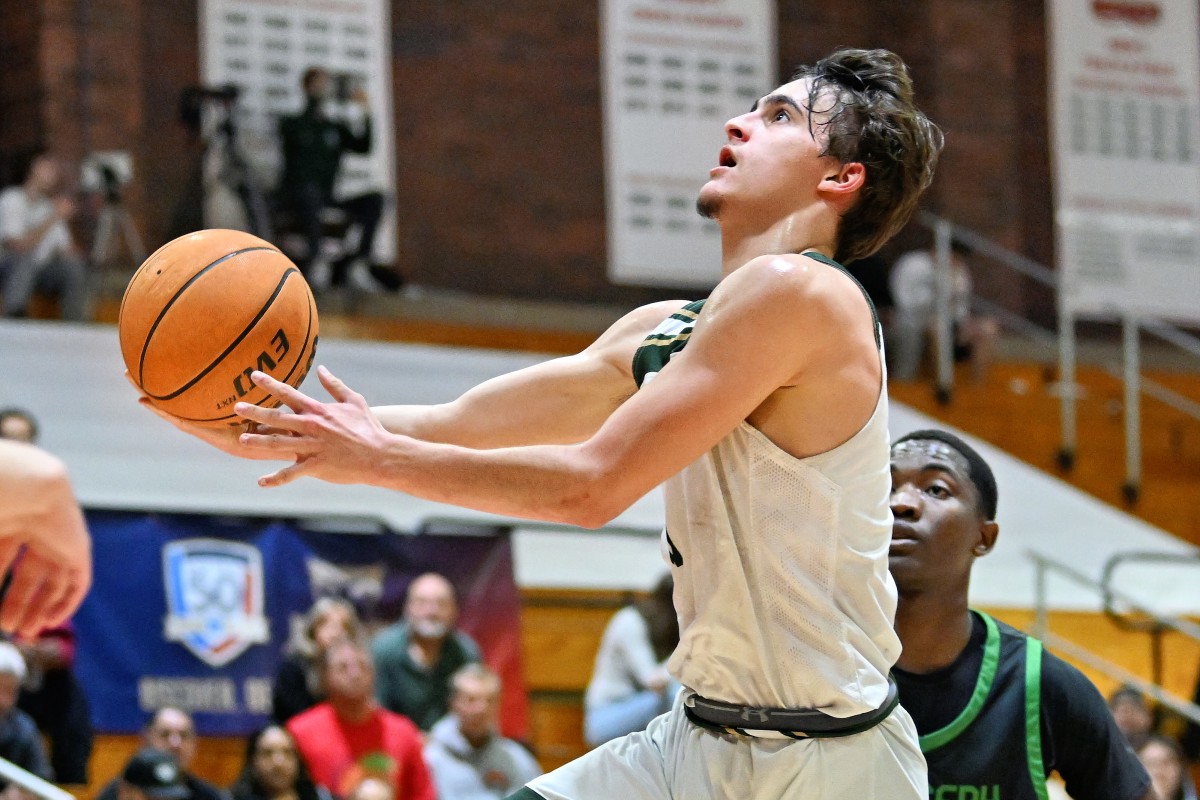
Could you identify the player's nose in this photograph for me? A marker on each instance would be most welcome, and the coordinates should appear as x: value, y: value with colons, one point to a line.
x: 905, y: 503
x: 736, y: 129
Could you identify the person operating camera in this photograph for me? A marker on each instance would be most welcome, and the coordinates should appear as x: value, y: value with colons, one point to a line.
x: 313, y: 145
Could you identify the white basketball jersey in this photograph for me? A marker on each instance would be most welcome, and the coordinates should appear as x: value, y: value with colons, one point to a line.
x: 781, y: 564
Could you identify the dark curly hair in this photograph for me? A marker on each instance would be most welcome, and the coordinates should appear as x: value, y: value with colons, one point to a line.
x: 872, y: 120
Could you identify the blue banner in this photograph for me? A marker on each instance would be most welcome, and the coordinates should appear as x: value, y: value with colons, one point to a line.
x: 195, y: 611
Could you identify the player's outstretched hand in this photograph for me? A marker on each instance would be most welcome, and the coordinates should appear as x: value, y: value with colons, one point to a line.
x: 339, y: 442
x: 43, y: 539
x: 224, y: 439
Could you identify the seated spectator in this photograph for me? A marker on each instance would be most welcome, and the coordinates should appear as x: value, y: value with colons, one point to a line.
x: 1163, y: 759
x: 18, y: 425
x: 349, y: 737
x: 151, y: 774
x: 53, y: 697
x: 914, y: 317
x: 469, y: 758
x: 298, y: 683
x: 173, y: 731
x: 37, y: 252
x: 415, y: 657
x: 630, y: 685
x: 1132, y: 713
x: 19, y: 739
x: 274, y: 771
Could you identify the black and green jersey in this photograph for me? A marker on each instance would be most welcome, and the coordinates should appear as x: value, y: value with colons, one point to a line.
x: 672, y: 334
x: 1006, y: 714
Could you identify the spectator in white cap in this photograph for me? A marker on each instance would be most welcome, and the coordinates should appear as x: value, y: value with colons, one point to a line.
x: 19, y: 739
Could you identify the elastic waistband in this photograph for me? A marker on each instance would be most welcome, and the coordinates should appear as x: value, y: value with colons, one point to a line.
x: 785, y: 723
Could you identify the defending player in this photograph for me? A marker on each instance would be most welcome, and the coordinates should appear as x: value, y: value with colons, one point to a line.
x: 42, y: 533
x: 995, y: 712
x: 764, y: 408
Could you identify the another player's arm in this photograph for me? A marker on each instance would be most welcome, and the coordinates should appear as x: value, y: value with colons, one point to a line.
x: 41, y: 521
x: 743, y: 348
x: 561, y: 401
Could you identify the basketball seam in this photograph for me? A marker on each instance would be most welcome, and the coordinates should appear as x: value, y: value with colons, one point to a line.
x: 261, y: 312
x: 292, y: 371
x: 176, y: 296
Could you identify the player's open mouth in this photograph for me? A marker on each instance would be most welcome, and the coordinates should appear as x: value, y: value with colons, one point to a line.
x: 727, y: 158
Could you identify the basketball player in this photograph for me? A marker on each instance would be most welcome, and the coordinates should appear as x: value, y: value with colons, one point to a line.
x: 764, y: 408
x: 42, y: 532
x: 995, y: 712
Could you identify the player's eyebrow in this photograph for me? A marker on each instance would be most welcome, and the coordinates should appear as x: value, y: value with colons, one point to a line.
x: 777, y: 100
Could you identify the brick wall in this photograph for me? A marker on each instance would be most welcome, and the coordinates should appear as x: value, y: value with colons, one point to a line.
x: 498, y: 133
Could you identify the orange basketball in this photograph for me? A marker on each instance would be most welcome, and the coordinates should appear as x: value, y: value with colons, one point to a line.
x: 206, y: 310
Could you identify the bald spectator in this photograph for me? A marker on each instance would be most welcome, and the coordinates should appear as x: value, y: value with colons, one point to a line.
x: 469, y: 758
x: 173, y: 731
x: 415, y: 658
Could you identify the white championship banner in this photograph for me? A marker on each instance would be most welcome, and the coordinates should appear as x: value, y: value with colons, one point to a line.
x: 263, y: 47
x: 673, y: 72
x: 1124, y: 92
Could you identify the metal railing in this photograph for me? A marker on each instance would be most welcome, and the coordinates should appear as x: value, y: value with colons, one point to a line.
x: 1129, y: 371
x: 32, y: 783
x: 1150, y: 622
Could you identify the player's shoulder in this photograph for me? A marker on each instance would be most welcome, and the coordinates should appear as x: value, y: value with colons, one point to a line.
x: 791, y: 289
x: 1068, y: 696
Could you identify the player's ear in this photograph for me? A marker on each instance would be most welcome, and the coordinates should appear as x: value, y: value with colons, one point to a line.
x: 842, y: 181
x: 988, y: 531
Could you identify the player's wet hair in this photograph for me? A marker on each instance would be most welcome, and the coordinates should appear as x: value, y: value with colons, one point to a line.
x: 873, y: 121
x: 979, y: 471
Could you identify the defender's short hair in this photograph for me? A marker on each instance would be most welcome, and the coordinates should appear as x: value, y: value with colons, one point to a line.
x: 979, y: 471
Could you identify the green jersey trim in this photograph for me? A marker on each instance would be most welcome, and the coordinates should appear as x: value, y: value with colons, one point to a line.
x: 870, y: 303
x: 1033, y: 716
x: 672, y: 334
x: 665, y: 341
x: 983, y: 684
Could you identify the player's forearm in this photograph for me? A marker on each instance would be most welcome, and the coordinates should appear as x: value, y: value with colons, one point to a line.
x: 30, y: 240
x: 553, y: 483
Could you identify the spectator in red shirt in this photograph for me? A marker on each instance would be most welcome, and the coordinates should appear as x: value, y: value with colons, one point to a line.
x: 349, y: 737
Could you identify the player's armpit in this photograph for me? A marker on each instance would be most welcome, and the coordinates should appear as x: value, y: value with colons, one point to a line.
x: 769, y: 325
x: 560, y: 401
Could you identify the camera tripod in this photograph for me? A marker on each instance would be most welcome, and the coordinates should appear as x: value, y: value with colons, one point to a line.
x: 115, y: 228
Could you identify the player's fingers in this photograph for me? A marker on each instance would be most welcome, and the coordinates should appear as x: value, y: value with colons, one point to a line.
x: 9, y: 549
x: 337, y: 389
x: 22, y: 592
x: 60, y: 599
x: 283, y: 444
x: 285, y: 475
x: 271, y: 419
x: 133, y: 383
x: 293, y: 398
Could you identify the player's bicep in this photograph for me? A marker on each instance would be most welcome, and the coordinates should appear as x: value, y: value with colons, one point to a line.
x: 742, y: 349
